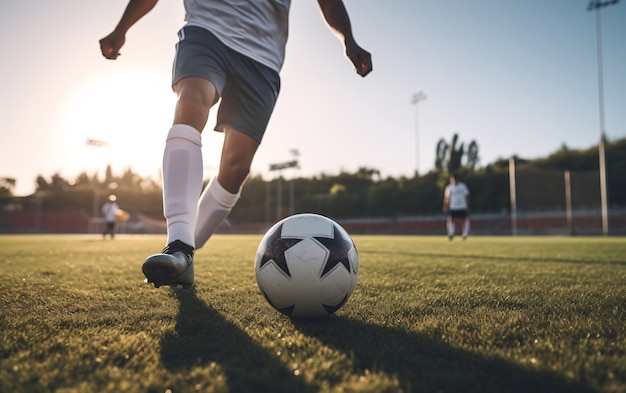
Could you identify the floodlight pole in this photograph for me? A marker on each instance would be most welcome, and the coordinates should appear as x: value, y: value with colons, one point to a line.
x: 596, y: 5
x: 295, y: 153
x: 99, y: 144
x: 568, y: 202
x: 415, y: 100
x: 279, y: 189
x: 513, y: 196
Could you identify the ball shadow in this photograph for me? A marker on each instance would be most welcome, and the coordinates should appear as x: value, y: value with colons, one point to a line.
x: 423, y: 364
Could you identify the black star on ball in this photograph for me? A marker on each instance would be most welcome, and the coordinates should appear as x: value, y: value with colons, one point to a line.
x: 338, y: 246
x: 275, y: 251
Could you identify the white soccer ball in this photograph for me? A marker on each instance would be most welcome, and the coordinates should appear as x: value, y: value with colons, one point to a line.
x: 306, y: 266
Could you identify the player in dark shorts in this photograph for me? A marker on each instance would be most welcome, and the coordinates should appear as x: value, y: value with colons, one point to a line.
x: 456, y: 205
x: 458, y: 214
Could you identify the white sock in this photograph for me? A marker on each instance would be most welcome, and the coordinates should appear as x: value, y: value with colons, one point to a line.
x: 451, y: 229
x: 214, y: 206
x: 182, y: 182
x: 466, y: 228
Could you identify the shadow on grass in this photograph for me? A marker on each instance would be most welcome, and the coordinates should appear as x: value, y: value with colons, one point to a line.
x: 497, y: 258
x: 421, y: 364
x: 425, y: 365
x: 203, y: 336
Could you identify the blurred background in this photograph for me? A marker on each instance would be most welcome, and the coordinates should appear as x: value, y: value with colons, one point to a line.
x: 525, y: 100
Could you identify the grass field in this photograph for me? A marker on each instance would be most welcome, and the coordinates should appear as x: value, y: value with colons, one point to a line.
x: 492, y: 314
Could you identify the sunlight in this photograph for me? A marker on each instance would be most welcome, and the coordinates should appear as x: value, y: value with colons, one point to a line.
x: 124, y: 115
x: 122, y: 119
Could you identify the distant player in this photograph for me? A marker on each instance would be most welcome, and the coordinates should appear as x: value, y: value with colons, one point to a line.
x: 233, y: 50
x: 109, y: 211
x: 456, y: 205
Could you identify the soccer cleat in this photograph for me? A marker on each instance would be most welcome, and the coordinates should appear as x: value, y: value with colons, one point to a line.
x: 174, y: 266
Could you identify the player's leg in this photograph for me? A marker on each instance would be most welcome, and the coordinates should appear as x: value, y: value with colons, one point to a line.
x: 222, y: 193
x: 198, y: 80
x: 466, y: 227
x: 182, y: 183
x: 450, y: 226
x: 182, y: 158
x: 248, y: 100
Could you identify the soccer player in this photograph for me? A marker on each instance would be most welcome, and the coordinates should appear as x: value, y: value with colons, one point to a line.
x: 109, y: 211
x: 456, y: 205
x: 233, y: 50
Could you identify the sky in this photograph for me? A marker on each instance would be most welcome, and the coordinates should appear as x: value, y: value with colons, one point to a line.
x: 518, y: 77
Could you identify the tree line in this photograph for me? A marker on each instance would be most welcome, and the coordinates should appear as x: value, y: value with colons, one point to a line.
x: 363, y: 193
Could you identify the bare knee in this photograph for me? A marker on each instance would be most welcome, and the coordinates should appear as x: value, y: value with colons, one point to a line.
x: 192, y: 111
x: 196, y: 96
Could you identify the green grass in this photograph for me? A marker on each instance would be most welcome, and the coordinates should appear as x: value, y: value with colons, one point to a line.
x: 526, y: 314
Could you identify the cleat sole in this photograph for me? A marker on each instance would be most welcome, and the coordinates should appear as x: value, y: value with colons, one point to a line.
x: 163, y: 275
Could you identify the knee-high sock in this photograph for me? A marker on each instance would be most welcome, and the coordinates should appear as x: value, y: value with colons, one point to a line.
x: 451, y: 228
x: 214, y: 206
x: 182, y: 182
x: 466, y: 228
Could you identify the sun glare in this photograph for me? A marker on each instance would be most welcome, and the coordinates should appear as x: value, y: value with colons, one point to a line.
x: 122, y: 119
x: 117, y: 119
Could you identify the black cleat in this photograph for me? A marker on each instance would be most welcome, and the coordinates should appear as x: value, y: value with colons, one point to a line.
x: 174, y: 266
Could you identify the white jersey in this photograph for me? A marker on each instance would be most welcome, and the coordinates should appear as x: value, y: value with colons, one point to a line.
x: 109, y: 210
x: 255, y: 28
x: 457, y: 194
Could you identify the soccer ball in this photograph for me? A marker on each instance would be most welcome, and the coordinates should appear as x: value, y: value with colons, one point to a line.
x: 306, y: 266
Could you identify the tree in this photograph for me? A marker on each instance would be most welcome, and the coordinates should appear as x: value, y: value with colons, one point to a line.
x: 472, y: 155
x: 83, y: 181
x: 58, y: 183
x: 108, y: 177
x: 130, y: 179
x: 449, y: 157
x: 42, y: 183
x: 441, y: 155
x: 455, y: 155
x: 7, y: 184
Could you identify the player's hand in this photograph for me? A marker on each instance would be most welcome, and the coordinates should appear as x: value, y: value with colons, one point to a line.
x: 111, y: 45
x: 360, y: 58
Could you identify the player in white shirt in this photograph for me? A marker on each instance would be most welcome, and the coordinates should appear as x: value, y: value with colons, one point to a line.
x: 109, y: 211
x: 233, y: 50
x: 456, y: 205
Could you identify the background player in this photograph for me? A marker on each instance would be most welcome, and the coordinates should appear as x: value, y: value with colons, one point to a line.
x: 456, y: 205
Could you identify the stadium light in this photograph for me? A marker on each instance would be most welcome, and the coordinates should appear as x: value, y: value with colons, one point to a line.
x: 415, y: 100
x: 279, y: 188
x: 95, y: 142
x: 98, y: 144
x: 595, y: 5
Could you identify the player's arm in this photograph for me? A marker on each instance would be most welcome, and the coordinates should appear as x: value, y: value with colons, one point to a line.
x: 336, y: 16
x: 445, y: 203
x: 135, y: 10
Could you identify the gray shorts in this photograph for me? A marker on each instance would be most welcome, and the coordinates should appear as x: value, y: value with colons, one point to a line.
x: 248, y: 89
